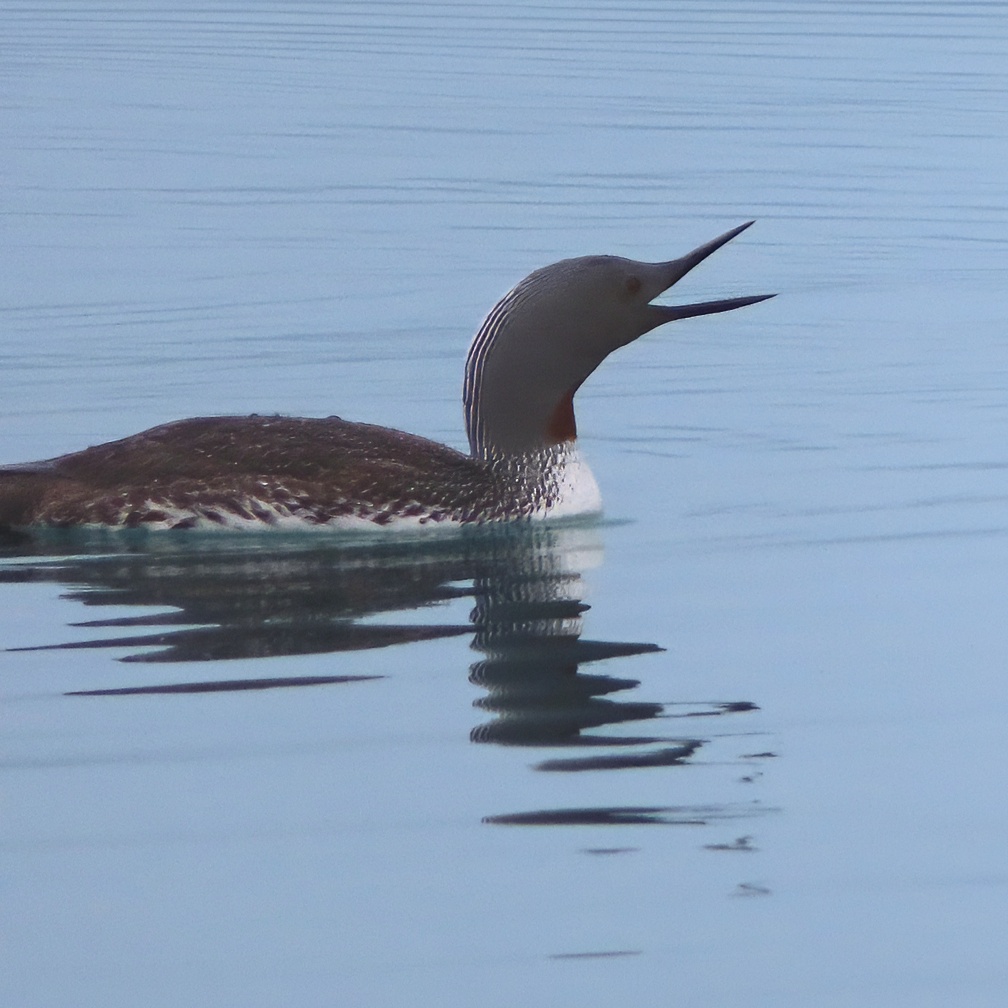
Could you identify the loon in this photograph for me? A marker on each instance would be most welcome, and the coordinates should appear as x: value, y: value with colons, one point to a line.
x: 528, y: 359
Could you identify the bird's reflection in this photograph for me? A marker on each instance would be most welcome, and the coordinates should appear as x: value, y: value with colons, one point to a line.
x: 218, y: 597
x: 226, y: 597
x: 528, y: 626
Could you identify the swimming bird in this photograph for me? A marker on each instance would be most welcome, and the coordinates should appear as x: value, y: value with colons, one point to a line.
x: 530, y: 356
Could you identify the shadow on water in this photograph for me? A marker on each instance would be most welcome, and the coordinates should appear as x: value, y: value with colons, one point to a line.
x: 221, y: 597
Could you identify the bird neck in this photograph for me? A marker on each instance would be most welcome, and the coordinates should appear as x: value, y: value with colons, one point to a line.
x: 520, y: 381
x: 519, y: 421
x: 562, y: 426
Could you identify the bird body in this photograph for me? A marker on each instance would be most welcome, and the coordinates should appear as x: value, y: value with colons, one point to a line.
x: 288, y: 472
x: 528, y: 359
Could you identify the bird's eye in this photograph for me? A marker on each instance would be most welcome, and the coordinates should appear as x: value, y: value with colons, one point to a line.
x: 633, y: 285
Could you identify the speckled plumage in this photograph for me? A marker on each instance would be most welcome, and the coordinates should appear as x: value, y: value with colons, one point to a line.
x: 271, y: 470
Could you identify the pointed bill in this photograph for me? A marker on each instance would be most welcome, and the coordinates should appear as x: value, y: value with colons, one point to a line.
x: 678, y: 268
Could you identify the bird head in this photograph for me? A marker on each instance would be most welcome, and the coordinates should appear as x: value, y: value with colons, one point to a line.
x: 547, y: 335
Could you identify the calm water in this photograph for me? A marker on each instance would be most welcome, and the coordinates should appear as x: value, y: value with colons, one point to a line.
x: 741, y: 743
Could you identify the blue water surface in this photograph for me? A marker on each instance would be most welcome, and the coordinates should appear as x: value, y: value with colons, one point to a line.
x: 739, y: 743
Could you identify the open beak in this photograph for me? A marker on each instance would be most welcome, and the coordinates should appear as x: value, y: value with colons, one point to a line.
x: 678, y: 268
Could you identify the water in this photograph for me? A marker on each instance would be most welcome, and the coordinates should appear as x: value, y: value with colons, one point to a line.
x: 766, y: 766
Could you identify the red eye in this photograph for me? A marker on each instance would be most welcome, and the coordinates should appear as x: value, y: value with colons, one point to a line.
x: 633, y: 285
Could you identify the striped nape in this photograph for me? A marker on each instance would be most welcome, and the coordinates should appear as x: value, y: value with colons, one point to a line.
x: 479, y: 351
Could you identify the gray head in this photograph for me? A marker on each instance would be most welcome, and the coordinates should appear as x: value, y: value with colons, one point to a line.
x: 545, y: 337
